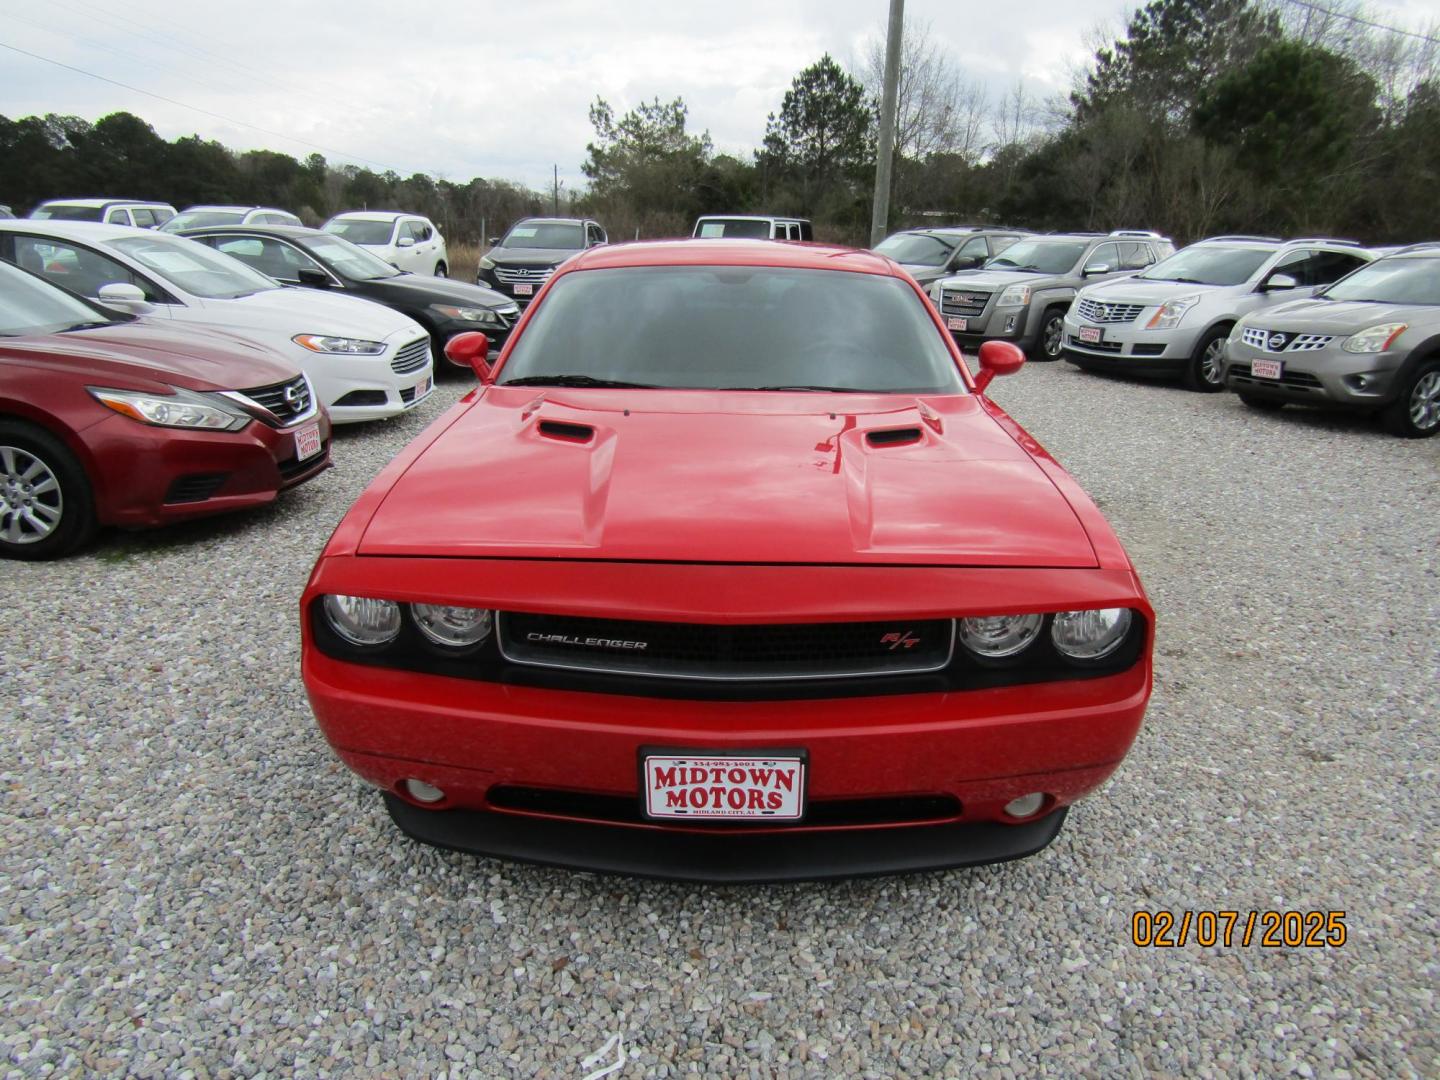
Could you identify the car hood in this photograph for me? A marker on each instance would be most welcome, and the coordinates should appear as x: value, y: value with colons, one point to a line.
x: 1340, y: 317
x: 519, y: 256
x: 729, y: 478
x: 995, y: 279
x: 148, y: 349
x: 421, y: 289
x: 1131, y: 290
x: 296, y: 310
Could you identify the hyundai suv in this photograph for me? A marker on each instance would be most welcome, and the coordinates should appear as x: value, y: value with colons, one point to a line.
x: 1370, y: 341
x: 930, y: 254
x: 1173, y: 319
x: 1021, y: 294
x: 519, y: 264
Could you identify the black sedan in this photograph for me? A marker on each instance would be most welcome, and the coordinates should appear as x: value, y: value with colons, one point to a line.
x: 315, y: 259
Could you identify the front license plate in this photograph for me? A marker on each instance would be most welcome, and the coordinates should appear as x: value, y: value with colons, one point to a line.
x: 955, y: 323
x: 1092, y: 335
x: 1267, y: 369
x: 423, y: 387
x: 307, y: 442
x: 763, y: 786
x: 524, y: 290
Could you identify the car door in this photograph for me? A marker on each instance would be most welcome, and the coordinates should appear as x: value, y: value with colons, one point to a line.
x: 1102, y: 255
x: 420, y: 257
x: 80, y: 269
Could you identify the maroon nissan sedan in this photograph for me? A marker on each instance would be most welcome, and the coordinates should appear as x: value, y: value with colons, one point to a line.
x: 108, y: 419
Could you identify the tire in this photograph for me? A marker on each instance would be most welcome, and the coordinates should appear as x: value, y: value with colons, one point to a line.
x: 1205, y: 371
x: 441, y: 270
x: 1415, y: 412
x: 46, y: 506
x: 1263, y: 404
x: 1050, y: 341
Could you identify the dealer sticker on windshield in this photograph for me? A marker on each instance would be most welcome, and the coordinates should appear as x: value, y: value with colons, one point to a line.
x: 769, y: 786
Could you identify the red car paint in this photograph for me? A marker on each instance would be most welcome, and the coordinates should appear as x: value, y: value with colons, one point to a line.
x: 726, y: 508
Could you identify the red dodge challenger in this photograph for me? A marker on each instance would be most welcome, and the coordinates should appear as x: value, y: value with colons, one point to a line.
x: 728, y: 571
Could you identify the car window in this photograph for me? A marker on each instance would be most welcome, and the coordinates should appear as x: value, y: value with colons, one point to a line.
x: 1135, y: 255
x: 1104, y: 255
x: 593, y: 235
x: 1000, y: 243
x: 348, y: 260
x: 80, y: 269
x: 1210, y: 264
x: 272, y: 257
x: 1396, y: 280
x: 976, y: 246
x: 143, y: 217
x: 1331, y: 266
x: 417, y: 230
x: 741, y: 228
x: 550, y: 235
x: 117, y: 217
x: 360, y: 231
x: 1039, y: 256
x: 917, y: 249
x: 29, y: 306
x: 193, y: 267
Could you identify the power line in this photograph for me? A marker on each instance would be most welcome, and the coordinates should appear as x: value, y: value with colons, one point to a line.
x: 1363, y: 22
x: 196, y: 108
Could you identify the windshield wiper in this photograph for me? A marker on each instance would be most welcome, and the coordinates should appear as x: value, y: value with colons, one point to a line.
x: 87, y: 325
x: 803, y: 386
x: 1178, y: 280
x: 579, y: 380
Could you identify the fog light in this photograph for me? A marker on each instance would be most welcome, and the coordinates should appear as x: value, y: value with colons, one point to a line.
x: 420, y: 791
x: 1022, y: 807
x: 1010, y: 324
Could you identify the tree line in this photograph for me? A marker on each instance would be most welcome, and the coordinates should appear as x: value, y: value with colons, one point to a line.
x: 1204, y: 117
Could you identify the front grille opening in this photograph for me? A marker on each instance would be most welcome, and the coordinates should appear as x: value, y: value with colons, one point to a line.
x: 893, y: 436
x: 195, y: 487
x: 292, y: 467
x: 285, y: 401
x: 361, y: 397
x: 559, y: 429
x: 625, y: 809
x: 411, y: 357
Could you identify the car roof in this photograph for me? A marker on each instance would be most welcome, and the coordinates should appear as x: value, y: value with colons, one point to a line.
x: 281, y: 231
x: 750, y: 217
x: 99, y: 202
x: 726, y: 252
x: 556, y: 220
x: 86, y: 232
x: 217, y: 206
x: 374, y: 215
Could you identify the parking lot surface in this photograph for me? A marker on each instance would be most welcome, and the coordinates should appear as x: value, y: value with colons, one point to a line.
x: 192, y: 885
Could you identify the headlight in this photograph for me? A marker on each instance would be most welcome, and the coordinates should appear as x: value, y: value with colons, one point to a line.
x: 457, y: 627
x: 1090, y: 635
x: 183, y: 409
x: 997, y: 636
x: 1376, y: 338
x: 1013, y: 296
x: 323, y: 343
x: 1236, y: 333
x: 362, y: 620
x: 487, y: 263
x: 1168, y: 315
x: 466, y: 314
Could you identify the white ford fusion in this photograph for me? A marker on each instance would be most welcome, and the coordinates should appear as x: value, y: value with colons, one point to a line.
x: 365, y: 361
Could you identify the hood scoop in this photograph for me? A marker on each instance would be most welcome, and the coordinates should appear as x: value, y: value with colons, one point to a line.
x: 566, y: 432
x: 900, y: 436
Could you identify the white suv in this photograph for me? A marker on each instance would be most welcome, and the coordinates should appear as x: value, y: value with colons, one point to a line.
x: 196, y: 217
x: 1173, y: 318
x: 406, y: 241
x: 135, y: 212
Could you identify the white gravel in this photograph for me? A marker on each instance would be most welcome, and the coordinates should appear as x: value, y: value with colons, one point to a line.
x: 192, y: 886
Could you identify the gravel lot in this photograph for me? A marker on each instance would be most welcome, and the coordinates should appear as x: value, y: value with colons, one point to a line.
x: 192, y: 885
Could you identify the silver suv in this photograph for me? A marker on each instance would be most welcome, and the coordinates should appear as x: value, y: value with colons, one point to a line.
x: 1370, y: 341
x: 930, y: 254
x: 1173, y: 319
x: 1021, y: 294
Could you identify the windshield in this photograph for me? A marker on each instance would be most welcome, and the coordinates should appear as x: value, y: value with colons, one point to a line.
x: 551, y: 235
x: 31, y: 306
x: 1039, y: 256
x: 193, y: 267
x: 348, y: 260
x: 360, y: 231
x: 66, y: 212
x: 917, y: 249
x: 1391, y: 281
x: 1209, y: 264
x: 734, y: 328
x: 735, y: 228
x: 196, y: 219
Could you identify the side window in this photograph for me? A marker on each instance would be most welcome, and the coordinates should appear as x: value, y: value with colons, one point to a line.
x: 975, y: 247
x: 1105, y: 255
x: 1135, y: 256
x: 1300, y: 265
x: 1333, y: 265
x: 161, y: 215
x: 143, y: 217
x: 594, y: 234
x: 117, y: 217
x: 269, y: 256
x: 79, y: 269
x: 1000, y: 243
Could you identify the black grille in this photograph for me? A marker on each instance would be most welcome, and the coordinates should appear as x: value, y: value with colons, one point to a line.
x: 1147, y: 350
x: 362, y: 397
x: 966, y: 303
x: 285, y: 401
x: 703, y: 651
x: 1295, y: 380
x: 195, y: 487
x: 293, y: 467
x: 411, y: 357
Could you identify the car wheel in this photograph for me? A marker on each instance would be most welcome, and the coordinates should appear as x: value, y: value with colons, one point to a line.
x: 1206, y: 370
x: 1415, y: 413
x: 1050, y: 345
x: 1263, y: 404
x: 46, y: 509
x: 441, y: 270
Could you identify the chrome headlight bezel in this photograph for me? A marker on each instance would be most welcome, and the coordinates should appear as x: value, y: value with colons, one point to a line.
x: 187, y: 410
x: 1375, y: 339
x: 1171, y: 313
x: 1017, y: 295
x: 334, y: 345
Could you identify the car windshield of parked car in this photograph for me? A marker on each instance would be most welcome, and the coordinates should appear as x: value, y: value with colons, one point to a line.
x: 347, y: 260
x: 193, y: 267
x: 549, y: 235
x: 1391, y: 281
x: 199, y: 219
x: 734, y: 328
x: 917, y: 249
x: 360, y: 231
x: 66, y: 212
x: 1039, y: 256
x: 1209, y: 264
x: 734, y: 229
x: 31, y: 306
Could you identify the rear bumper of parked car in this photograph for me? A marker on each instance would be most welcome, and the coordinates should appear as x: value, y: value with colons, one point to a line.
x: 1324, y: 376
x: 1126, y: 346
x: 145, y: 476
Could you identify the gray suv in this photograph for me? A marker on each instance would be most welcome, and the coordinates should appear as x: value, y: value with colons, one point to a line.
x: 522, y: 262
x: 1370, y: 341
x: 930, y: 254
x: 1022, y: 294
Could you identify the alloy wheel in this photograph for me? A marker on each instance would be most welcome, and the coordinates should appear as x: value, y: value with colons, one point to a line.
x: 31, y: 502
x: 1054, y: 334
x: 1425, y: 401
x: 1212, y: 367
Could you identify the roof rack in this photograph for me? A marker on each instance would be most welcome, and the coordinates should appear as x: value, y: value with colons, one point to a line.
x: 1423, y: 245
x: 1237, y: 236
x: 1148, y: 234
x: 1323, y: 240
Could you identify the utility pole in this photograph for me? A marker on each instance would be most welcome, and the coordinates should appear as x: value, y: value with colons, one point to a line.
x: 880, y: 214
x: 557, y: 192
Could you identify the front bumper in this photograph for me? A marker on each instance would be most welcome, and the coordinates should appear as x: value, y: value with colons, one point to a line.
x: 1130, y: 347
x: 1321, y: 376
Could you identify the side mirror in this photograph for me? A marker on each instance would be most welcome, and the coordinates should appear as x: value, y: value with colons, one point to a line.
x: 472, y: 350
x: 1278, y: 281
x: 1096, y: 268
x: 998, y: 358
x: 405, y: 241
x: 493, y: 241
x: 122, y: 296
x: 316, y: 279
x: 968, y: 262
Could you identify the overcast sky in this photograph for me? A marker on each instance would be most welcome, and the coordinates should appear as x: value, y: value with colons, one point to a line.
x: 466, y: 88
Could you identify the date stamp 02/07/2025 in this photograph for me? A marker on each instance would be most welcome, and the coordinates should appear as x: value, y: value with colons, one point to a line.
x: 1166, y: 929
